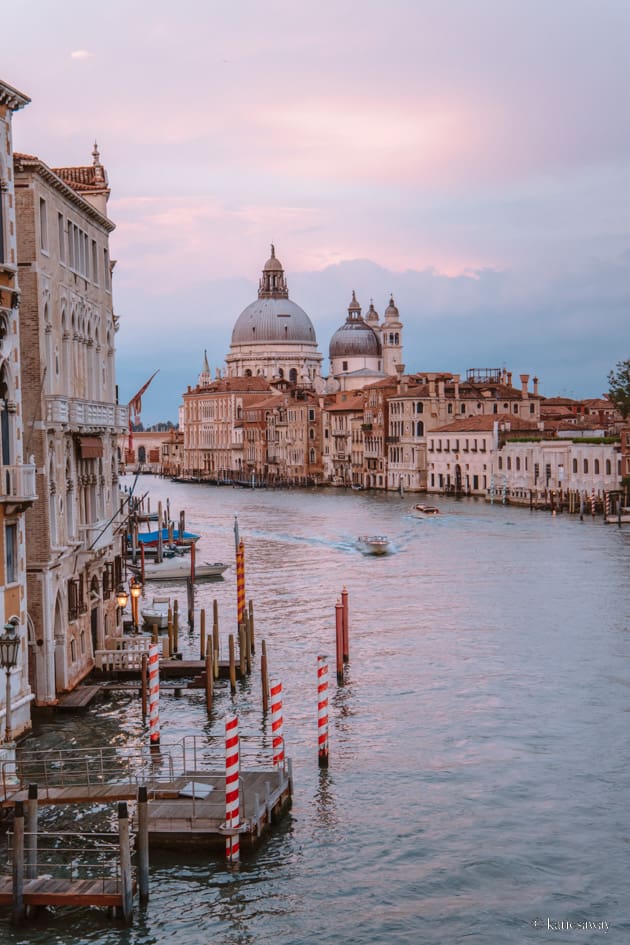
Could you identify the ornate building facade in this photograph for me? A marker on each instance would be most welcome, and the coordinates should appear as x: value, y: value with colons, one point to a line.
x: 72, y: 419
x: 17, y: 471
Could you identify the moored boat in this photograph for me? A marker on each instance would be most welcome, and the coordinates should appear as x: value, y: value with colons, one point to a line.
x: 178, y: 538
x: 156, y: 615
x: 373, y: 544
x: 178, y: 569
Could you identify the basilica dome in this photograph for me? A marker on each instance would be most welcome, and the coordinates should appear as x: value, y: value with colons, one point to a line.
x: 355, y: 338
x: 273, y: 318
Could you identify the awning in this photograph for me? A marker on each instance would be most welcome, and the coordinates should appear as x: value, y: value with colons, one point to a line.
x: 91, y: 447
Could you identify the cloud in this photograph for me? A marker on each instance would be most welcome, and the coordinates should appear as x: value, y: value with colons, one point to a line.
x: 81, y: 54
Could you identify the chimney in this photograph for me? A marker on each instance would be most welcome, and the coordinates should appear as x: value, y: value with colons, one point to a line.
x: 524, y: 382
x: 431, y: 387
x: 535, y: 387
x: 509, y: 378
x: 441, y: 389
x: 456, y: 385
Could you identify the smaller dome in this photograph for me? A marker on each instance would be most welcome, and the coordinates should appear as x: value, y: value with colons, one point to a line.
x: 272, y: 263
x: 354, y: 339
x: 372, y: 315
x: 391, y: 309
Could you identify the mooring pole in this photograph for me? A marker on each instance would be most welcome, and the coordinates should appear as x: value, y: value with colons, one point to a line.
x: 339, y: 640
x: 251, y: 626
x: 143, y: 843
x: 202, y: 634
x: 346, y: 634
x: 264, y: 677
x: 209, y: 676
x: 31, y: 832
x: 126, y: 888
x: 18, y: 862
x: 232, y: 664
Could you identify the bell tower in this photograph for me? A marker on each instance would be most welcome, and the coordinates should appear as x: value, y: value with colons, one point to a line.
x: 391, y: 340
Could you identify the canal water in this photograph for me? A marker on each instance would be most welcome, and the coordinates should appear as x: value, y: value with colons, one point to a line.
x: 479, y: 751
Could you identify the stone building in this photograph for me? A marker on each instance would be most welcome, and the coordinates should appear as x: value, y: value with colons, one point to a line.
x: 67, y: 336
x: 17, y: 472
x: 274, y: 338
x: 213, y: 414
x: 342, y: 413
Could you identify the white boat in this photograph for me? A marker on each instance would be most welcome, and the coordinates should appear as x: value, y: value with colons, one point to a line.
x: 178, y: 569
x: 157, y: 614
x: 424, y: 511
x: 373, y: 544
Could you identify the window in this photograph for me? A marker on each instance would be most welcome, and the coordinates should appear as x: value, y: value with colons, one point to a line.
x: 43, y: 225
x: 585, y: 465
x: 344, y: 365
x: 608, y: 468
x: 10, y: 550
x: 515, y: 408
x: 575, y: 465
x: 419, y: 407
x: 70, y: 246
x: 107, y: 282
x: 311, y: 413
x: 62, y: 238
x: 449, y: 408
x: 518, y: 463
x: 500, y: 462
x: 1, y: 225
x: 596, y: 467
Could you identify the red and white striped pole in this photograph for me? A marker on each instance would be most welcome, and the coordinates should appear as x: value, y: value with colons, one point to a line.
x: 154, y: 694
x: 277, y: 739
x: 593, y: 501
x: 232, y: 792
x: 322, y: 712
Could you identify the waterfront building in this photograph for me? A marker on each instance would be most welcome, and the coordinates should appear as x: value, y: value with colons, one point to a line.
x: 172, y: 453
x: 461, y: 455
x: 342, y: 412
x: 375, y: 428
x: 72, y: 419
x: 283, y: 438
x: 17, y: 473
x: 273, y: 338
x: 213, y: 414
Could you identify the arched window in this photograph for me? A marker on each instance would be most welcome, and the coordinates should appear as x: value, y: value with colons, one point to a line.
x: 6, y: 424
x: 311, y: 434
x: 608, y: 467
x: 293, y: 375
x: 419, y: 428
x: 596, y: 467
x: 575, y: 464
x: 585, y: 465
x: 311, y: 456
x: 518, y: 463
x: 142, y: 454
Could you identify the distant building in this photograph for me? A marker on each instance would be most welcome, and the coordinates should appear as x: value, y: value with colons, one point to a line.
x: 362, y: 351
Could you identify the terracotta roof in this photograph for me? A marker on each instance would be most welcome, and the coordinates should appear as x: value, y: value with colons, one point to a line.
x: 483, y: 423
x: 343, y: 401
x: 82, y: 179
x: 237, y: 384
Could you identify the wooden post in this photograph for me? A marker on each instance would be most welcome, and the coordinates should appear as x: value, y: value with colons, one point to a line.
x: 125, y: 862
x: 192, y: 562
x: 209, y: 677
x: 232, y: 664
x: 215, y: 637
x: 339, y: 640
x: 248, y: 641
x: 264, y: 677
x: 166, y: 645
x: 251, y: 626
x: 18, y: 862
x: 144, y: 684
x: 31, y: 832
x: 154, y: 633
x: 242, y: 650
x: 175, y: 626
x: 142, y: 561
x: 202, y: 634
x: 143, y: 844
x: 346, y: 638
x: 190, y: 594
x: 159, y: 542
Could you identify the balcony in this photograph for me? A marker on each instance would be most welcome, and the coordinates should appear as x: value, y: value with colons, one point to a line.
x: 366, y: 427
x: 392, y: 439
x: 17, y: 487
x: 85, y: 414
x: 96, y: 536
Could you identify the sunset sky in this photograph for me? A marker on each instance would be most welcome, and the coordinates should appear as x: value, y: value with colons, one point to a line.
x: 469, y: 156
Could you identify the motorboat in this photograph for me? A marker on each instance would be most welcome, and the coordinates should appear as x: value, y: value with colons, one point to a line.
x: 424, y: 511
x: 178, y: 569
x: 373, y: 544
x: 156, y: 615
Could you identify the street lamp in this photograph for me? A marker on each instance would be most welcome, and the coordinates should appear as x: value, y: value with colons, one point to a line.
x: 122, y: 597
x: 9, y: 651
x: 135, y: 586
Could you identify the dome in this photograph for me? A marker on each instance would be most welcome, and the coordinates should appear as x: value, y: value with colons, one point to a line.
x: 273, y: 320
x: 391, y: 311
x: 355, y: 338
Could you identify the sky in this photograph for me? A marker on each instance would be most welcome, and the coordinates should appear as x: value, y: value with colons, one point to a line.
x: 472, y: 157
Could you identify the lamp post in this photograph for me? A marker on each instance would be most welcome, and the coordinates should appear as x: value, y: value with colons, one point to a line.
x: 135, y: 586
x: 9, y: 651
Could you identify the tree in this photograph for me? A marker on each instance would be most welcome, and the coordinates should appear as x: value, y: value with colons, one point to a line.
x: 619, y: 387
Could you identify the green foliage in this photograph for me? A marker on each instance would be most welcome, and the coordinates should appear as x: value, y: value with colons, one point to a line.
x: 619, y: 387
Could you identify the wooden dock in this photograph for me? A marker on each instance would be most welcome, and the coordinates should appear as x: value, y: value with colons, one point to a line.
x: 65, y: 892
